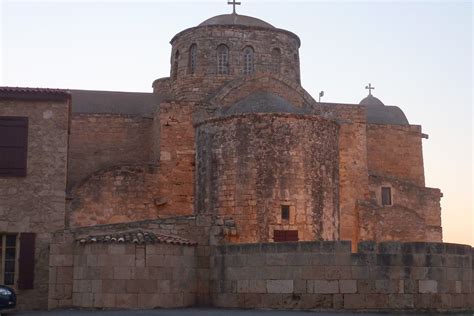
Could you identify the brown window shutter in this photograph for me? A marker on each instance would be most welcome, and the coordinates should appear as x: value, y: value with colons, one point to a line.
x: 278, y: 235
x: 13, y: 146
x: 26, y: 264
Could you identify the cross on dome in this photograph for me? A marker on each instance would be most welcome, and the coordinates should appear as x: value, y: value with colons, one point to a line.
x: 370, y: 88
x: 234, y: 3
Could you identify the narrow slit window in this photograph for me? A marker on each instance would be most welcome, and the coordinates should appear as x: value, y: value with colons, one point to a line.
x: 192, y: 59
x: 386, y: 196
x: 285, y: 212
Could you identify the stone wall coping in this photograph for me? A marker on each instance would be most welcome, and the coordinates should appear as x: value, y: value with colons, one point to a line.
x: 241, y: 27
x: 308, y: 117
x: 364, y: 247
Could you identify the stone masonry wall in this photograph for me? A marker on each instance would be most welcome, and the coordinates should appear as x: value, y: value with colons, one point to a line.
x: 250, y: 165
x: 327, y: 276
x: 415, y: 213
x: 64, y: 248
x: 134, y: 276
x: 353, y: 180
x: 36, y: 203
x: 396, y: 151
x: 177, y: 157
x: 119, y: 194
x: 100, y: 141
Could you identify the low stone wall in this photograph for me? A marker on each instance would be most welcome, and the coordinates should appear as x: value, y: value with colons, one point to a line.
x: 325, y: 275
x: 134, y: 276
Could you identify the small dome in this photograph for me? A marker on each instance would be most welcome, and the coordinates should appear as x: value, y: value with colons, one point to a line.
x: 371, y: 100
x: 236, y: 19
x: 262, y: 102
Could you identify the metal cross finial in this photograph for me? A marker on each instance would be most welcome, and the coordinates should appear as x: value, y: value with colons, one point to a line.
x: 234, y: 3
x: 370, y: 88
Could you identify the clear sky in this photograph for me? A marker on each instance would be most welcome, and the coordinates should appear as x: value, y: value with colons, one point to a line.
x: 418, y: 55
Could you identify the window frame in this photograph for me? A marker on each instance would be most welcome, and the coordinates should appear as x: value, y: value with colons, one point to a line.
x: 192, y: 59
x: 249, y: 60
x: 276, y: 60
x: 3, y: 248
x: 285, y: 209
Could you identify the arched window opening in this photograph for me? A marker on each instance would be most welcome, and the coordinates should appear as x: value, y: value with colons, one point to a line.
x: 222, y: 60
x: 192, y: 59
x: 249, y: 64
x: 276, y: 61
x: 175, y: 65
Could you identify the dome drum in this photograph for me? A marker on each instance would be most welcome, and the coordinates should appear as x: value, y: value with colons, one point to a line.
x: 220, y: 53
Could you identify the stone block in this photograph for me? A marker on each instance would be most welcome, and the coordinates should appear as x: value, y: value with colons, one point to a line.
x: 299, y: 286
x: 366, y: 286
x: 373, y: 300
x: 326, y: 287
x: 347, y: 286
x: 427, y: 286
x: 124, y: 273
x: 257, y: 286
x: 243, y: 286
x: 64, y: 275
x: 400, y: 301
x: 354, y: 301
x: 386, y: 286
x: 128, y: 301
x: 359, y: 272
x: 148, y: 286
x: 279, y: 286
x: 276, y: 259
x: 337, y: 273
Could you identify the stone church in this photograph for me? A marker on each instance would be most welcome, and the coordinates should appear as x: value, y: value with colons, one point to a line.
x: 113, y: 192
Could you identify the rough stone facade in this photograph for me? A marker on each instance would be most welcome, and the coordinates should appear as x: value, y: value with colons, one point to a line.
x: 243, y: 178
x: 229, y: 149
x: 36, y: 203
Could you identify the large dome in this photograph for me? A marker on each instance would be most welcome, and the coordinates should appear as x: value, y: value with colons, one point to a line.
x: 236, y: 19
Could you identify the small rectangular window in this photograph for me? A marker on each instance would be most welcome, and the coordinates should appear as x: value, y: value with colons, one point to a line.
x: 285, y: 212
x: 386, y: 196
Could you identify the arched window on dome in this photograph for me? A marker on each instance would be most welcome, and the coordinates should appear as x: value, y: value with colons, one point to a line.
x: 249, y: 62
x: 276, y: 61
x: 175, y: 65
x: 222, y: 60
x: 192, y: 59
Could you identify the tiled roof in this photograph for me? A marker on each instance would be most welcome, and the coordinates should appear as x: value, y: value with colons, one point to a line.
x: 33, y: 93
x: 136, y: 237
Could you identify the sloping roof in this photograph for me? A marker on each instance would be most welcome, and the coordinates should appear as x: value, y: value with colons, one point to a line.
x: 262, y: 102
x: 112, y: 102
x: 236, y: 19
x: 33, y: 93
x: 136, y: 237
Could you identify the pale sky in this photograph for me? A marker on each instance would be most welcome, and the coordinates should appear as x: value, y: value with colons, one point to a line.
x: 418, y: 55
